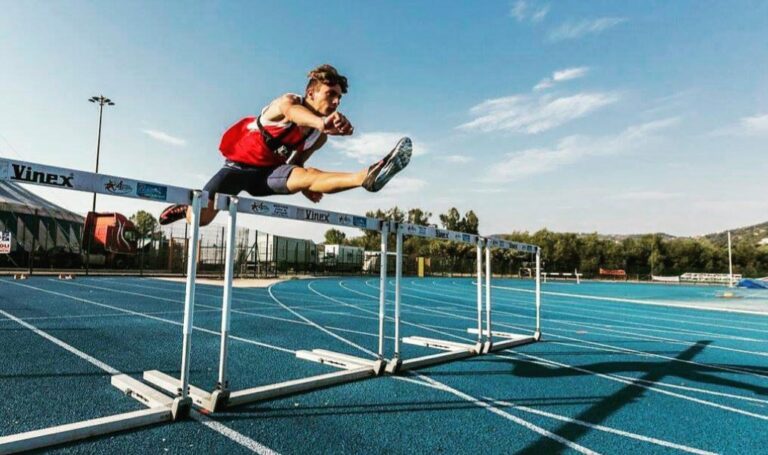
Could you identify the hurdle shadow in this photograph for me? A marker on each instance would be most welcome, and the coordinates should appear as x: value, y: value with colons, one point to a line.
x: 654, y: 372
x: 265, y: 411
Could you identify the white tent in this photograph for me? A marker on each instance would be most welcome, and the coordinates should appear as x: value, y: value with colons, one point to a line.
x: 28, y: 216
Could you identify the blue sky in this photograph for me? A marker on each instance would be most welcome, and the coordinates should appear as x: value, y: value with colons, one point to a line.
x: 616, y: 117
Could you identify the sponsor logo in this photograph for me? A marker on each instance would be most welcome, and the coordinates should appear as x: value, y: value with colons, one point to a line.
x: 345, y: 219
x: 411, y: 229
x: 317, y: 216
x: 359, y: 221
x: 24, y: 173
x: 465, y: 237
x: 5, y: 242
x: 280, y: 210
x: 149, y: 191
x: 115, y: 186
x: 260, y: 208
x: 440, y: 234
x: 422, y: 230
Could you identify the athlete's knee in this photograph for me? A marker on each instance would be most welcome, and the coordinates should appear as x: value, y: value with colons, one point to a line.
x: 301, y: 178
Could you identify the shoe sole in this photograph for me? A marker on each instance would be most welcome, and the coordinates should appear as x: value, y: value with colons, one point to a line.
x: 397, y: 160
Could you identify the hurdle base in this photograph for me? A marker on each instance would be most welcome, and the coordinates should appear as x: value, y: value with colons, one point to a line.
x: 440, y: 344
x: 62, y: 434
x: 435, y: 359
x: 335, y: 359
x: 507, y: 344
x: 197, y: 396
x: 393, y: 365
x: 296, y: 386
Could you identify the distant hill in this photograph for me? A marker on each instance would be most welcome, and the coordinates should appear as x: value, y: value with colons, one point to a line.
x: 754, y: 234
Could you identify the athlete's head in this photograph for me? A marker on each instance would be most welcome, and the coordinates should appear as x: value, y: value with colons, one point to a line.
x: 325, y: 88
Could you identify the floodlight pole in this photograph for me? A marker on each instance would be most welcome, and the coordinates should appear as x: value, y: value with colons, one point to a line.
x: 101, y: 100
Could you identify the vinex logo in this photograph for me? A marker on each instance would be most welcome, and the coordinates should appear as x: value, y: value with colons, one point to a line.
x: 27, y: 174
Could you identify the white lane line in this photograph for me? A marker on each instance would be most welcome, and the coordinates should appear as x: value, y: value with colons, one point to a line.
x: 149, y: 316
x: 747, y: 371
x: 239, y: 438
x: 562, y: 418
x: 524, y: 423
x: 593, y: 426
x: 635, y: 383
x: 640, y: 325
x: 610, y: 328
x: 637, y: 301
x: 319, y: 327
x: 218, y: 427
x: 503, y: 414
x: 634, y: 312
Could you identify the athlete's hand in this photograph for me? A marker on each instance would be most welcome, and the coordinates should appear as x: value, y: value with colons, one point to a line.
x: 337, y: 125
x: 313, y: 196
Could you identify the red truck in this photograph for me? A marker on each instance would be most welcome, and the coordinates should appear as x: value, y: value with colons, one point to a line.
x: 113, y: 241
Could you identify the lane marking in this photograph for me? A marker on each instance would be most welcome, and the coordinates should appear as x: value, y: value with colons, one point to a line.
x: 218, y: 427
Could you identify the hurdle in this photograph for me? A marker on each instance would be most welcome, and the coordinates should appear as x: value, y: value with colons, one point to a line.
x: 452, y: 350
x: 160, y: 407
x: 485, y: 336
x: 352, y: 368
x: 509, y: 340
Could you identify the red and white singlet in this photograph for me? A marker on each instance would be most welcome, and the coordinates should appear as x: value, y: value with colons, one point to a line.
x: 244, y: 143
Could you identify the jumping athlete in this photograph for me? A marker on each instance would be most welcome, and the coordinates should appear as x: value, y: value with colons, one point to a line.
x: 265, y: 155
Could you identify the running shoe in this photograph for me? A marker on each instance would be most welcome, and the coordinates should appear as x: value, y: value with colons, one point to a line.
x: 173, y: 213
x: 381, y: 172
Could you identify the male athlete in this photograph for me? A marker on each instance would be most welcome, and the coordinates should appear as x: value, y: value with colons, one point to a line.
x: 265, y: 155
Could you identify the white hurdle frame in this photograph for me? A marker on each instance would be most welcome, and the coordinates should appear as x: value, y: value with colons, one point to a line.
x: 161, y: 408
x: 453, y: 350
x: 510, y: 340
x: 458, y: 350
x: 353, y: 368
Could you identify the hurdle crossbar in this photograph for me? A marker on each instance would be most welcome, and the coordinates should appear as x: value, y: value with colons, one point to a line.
x: 353, y: 368
x: 161, y: 408
x: 458, y: 350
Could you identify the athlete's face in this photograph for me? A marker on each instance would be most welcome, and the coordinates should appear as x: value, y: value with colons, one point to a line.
x: 325, y: 98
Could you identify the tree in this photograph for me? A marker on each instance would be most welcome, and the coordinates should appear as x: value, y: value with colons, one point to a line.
x: 145, y: 223
x: 418, y: 216
x: 335, y: 237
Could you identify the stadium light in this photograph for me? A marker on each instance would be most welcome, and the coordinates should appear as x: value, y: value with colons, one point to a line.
x: 101, y: 100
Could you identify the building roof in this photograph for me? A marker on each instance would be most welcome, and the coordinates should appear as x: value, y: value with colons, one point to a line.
x: 17, y: 199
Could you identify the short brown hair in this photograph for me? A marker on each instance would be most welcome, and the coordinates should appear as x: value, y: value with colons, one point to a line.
x: 326, y: 74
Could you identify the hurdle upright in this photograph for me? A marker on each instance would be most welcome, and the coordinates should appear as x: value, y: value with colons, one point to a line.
x: 509, y: 340
x: 161, y: 408
x: 353, y: 368
x: 485, y: 336
x: 453, y: 350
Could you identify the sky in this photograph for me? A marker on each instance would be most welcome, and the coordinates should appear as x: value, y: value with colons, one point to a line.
x: 611, y: 117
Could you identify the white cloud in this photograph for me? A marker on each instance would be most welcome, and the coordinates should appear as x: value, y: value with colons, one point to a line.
x: 523, y: 10
x: 574, y: 30
x: 572, y: 149
x: 403, y: 185
x: 755, y: 125
x: 562, y: 75
x: 165, y: 137
x: 646, y: 196
x: 458, y: 159
x: 369, y: 147
x: 530, y: 115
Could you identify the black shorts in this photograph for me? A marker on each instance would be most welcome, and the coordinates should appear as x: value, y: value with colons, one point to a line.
x: 233, y: 178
